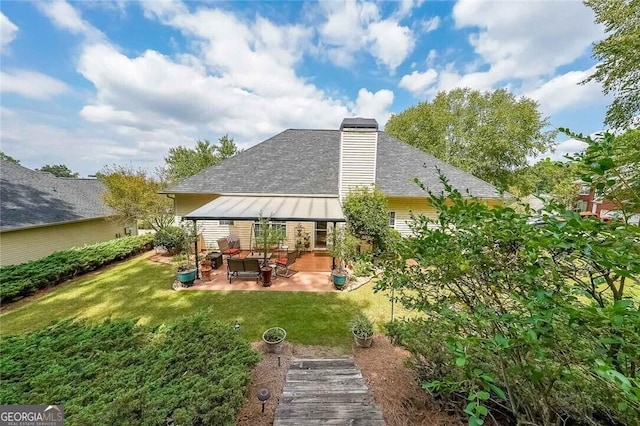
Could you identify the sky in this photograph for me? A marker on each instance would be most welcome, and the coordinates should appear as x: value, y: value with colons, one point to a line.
x: 92, y: 84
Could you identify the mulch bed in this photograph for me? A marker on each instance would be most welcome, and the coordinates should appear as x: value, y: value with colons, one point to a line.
x: 393, y: 386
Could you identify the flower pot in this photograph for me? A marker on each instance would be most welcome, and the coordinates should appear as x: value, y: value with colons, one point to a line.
x: 339, y: 279
x: 187, y: 277
x: 205, y: 273
x: 273, y: 338
x: 266, y: 272
x: 363, y: 342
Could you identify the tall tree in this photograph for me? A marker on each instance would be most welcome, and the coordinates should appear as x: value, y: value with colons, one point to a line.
x: 183, y: 162
x: 59, y: 170
x: 618, y: 55
x: 8, y: 158
x: 554, y: 178
x: 488, y: 134
x: 134, y: 196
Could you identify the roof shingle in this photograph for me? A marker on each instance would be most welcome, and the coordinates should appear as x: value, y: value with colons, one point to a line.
x: 33, y: 198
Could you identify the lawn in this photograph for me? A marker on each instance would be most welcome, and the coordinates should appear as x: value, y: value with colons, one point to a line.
x: 140, y: 288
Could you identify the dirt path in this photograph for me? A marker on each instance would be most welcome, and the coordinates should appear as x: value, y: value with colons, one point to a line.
x: 393, y: 386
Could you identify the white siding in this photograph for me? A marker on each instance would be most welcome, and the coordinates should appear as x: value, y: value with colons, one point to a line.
x: 357, y: 159
x: 403, y: 207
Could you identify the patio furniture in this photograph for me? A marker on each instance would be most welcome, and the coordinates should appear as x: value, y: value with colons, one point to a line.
x: 215, y: 258
x: 283, y: 264
x: 241, y: 267
x: 225, y: 248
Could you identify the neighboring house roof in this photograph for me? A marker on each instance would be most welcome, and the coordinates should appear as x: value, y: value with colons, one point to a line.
x: 307, y: 162
x: 32, y: 198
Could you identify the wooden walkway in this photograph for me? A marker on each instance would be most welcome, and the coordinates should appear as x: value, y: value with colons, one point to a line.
x: 327, y: 392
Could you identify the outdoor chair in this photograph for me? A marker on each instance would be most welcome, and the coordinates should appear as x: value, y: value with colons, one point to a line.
x: 240, y: 267
x: 225, y: 248
x: 283, y: 264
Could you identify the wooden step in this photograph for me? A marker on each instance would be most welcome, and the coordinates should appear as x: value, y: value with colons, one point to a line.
x: 328, y: 392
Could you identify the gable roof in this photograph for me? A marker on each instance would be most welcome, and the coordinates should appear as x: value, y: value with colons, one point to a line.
x: 32, y: 198
x: 306, y: 162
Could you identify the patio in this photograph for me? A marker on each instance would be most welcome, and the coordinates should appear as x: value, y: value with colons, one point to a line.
x: 313, y: 274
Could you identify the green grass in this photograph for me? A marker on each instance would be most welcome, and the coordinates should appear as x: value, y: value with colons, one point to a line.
x: 140, y: 288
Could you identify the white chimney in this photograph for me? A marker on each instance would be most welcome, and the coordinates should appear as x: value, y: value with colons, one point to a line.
x: 358, y: 149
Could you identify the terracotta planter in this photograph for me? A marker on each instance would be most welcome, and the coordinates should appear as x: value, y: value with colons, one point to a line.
x: 205, y: 273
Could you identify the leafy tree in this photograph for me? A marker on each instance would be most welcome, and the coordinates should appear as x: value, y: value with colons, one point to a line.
x: 365, y: 210
x: 8, y: 158
x: 612, y: 167
x: 488, y: 134
x: 548, y: 177
x: 618, y: 55
x: 503, y: 327
x: 134, y: 196
x: 59, y: 170
x: 183, y: 162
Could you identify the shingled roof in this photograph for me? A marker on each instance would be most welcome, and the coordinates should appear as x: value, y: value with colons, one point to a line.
x: 31, y: 198
x: 306, y: 162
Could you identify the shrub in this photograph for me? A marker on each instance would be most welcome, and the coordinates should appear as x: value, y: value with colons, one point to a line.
x: 172, y: 238
x: 512, y: 319
x: 361, y: 326
x: 190, y: 371
x: 21, y: 280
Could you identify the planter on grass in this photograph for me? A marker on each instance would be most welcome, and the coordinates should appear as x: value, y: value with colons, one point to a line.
x: 187, y: 277
x: 273, y: 338
x: 362, y: 329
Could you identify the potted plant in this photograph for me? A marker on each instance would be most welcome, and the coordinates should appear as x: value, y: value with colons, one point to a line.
x: 362, y: 329
x: 273, y: 338
x: 269, y: 236
x: 341, y: 245
x: 307, y: 240
x: 186, y: 272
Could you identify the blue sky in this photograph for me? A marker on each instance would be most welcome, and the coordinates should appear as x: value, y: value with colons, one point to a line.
x: 89, y: 84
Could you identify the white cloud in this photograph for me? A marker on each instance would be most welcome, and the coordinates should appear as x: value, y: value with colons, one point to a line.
x: 8, y: 31
x: 374, y: 105
x: 66, y: 17
x: 419, y: 83
x: 31, y: 84
x: 568, y: 147
x: 352, y: 28
x: 391, y: 43
x: 431, y: 24
x: 565, y: 91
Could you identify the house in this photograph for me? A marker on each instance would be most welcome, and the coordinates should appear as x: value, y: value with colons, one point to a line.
x: 588, y: 201
x: 41, y: 213
x: 299, y: 178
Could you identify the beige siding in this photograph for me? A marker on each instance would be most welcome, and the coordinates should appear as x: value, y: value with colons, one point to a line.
x: 357, y: 159
x: 403, y: 207
x: 35, y: 243
x: 186, y: 203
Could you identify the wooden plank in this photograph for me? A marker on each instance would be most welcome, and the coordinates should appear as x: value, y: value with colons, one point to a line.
x: 325, y: 412
x: 309, y: 364
x: 333, y: 381
x: 329, y: 422
x: 318, y: 389
x: 321, y: 373
x: 342, y: 397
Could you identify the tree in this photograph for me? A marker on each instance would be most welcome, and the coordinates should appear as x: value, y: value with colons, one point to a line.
x: 611, y: 164
x: 618, y: 55
x: 183, y: 162
x: 554, y: 178
x: 59, y: 170
x: 134, y: 196
x: 488, y: 134
x: 365, y: 210
x: 8, y: 158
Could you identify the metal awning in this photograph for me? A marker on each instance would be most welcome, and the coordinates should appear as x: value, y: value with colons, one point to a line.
x: 238, y: 207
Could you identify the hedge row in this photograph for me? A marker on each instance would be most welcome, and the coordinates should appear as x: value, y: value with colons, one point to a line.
x: 191, y: 371
x: 21, y: 280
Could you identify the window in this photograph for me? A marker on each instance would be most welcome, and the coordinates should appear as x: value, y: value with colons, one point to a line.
x: 257, y: 231
x: 585, y: 190
x: 226, y: 222
x: 392, y: 219
x: 581, y: 206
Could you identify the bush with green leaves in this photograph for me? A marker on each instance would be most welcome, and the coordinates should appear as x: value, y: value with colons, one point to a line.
x: 189, y: 371
x: 365, y: 210
x: 509, y: 328
x: 21, y: 280
x: 173, y: 238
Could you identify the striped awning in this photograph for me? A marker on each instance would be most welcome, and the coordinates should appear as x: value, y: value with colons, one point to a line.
x: 284, y: 208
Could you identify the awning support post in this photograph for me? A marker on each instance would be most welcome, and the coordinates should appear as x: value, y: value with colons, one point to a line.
x: 195, y: 247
